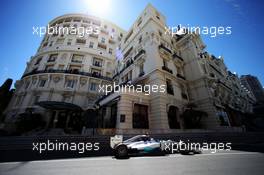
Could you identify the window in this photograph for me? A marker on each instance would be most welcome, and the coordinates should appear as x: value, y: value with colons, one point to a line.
x: 91, y: 45
x: 60, y: 41
x: 36, y: 100
x: 128, y: 35
x: 140, y: 116
x: 165, y: 64
x: 68, y: 20
x: 69, y: 42
x: 108, y: 74
x: 110, y: 51
x: 102, y: 40
x: 75, y: 69
x: 45, y: 44
x: 101, y: 46
x: 51, y: 43
x: 160, y: 33
x: 122, y: 118
x: 80, y: 41
x: 172, y: 117
x: 42, y: 82
x: 183, y: 92
x: 52, y: 57
x: 169, y: 87
x: 97, y: 62
x: 38, y: 61
x: 179, y: 70
x: 49, y: 67
x: 223, y: 118
x: 96, y: 73
x: 140, y: 39
x: 61, y: 67
x: 69, y: 83
x: 77, y: 58
x: 141, y: 68
x: 93, y: 86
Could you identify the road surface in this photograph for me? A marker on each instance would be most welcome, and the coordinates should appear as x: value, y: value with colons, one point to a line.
x: 232, y: 162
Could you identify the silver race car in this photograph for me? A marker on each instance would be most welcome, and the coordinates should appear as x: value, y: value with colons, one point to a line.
x: 143, y: 144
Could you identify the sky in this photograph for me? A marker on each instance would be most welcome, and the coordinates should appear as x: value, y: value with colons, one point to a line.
x: 242, y: 49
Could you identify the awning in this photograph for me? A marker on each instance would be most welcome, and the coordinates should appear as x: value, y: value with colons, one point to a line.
x: 56, y: 105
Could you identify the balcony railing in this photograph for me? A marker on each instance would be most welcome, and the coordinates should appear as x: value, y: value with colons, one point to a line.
x: 167, y: 69
x: 97, y: 64
x: 175, y: 56
x: 68, y: 72
x: 139, y: 54
x: 181, y: 76
x: 51, y: 60
x: 76, y: 61
x: 165, y: 48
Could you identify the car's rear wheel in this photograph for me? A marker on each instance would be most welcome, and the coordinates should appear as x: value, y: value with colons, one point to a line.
x: 121, y: 151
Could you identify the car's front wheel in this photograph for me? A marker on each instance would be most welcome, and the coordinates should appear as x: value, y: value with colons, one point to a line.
x: 121, y: 152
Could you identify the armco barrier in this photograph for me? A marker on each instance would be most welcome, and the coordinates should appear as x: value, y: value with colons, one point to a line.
x: 20, y: 148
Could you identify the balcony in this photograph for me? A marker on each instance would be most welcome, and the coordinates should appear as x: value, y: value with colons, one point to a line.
x: 167, y: 69
x: 165, y: 48
x: 141, y: 52
x: 175, y: 56
x: 77, y: 72
x: 181, y: 76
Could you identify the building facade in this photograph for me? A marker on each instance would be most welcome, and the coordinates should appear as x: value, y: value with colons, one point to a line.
x: 70, y: 69
x: 253, y: 86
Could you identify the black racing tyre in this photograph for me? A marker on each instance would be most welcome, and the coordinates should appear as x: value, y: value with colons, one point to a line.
x: 185, y: 152
x: 121, y: 152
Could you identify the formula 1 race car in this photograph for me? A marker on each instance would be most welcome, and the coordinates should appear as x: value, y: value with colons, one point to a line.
x: 143, y: 144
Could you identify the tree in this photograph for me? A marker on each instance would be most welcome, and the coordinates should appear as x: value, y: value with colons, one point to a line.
x: 192, y: 117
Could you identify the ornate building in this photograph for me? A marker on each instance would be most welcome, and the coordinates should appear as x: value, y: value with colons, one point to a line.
x: 68, y: 70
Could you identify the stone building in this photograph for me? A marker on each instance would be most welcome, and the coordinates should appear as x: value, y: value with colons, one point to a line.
x: 66, y: 72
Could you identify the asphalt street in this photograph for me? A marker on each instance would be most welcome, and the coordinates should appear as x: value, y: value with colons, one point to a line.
x: 232, y: 162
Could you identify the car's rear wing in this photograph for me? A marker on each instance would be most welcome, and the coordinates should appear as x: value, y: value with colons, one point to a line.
x: 115, y: 140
